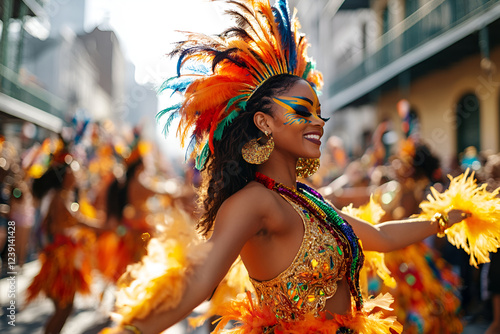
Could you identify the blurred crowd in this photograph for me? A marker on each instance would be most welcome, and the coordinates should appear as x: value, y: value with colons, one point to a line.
x: 85, y: 203
x: 398, y: 175
x: 104, y: 192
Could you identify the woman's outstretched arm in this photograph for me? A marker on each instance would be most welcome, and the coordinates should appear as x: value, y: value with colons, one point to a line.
x: 237, y: 221
x: 396, y: 234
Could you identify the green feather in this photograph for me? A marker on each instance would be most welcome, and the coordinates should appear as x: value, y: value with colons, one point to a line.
x: 161, y: 113
x: 309, y: 67
x: 201, y: 159
x: 222, y: 125
x: 229, y: 118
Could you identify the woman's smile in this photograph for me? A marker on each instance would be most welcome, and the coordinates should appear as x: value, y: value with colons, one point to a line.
x: 314, y: 137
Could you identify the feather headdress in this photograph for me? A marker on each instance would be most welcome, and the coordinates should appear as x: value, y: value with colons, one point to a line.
x: 217, y: 74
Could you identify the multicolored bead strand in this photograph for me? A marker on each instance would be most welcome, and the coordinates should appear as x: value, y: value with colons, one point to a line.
x: 346, y: 229
x: 315, y: 204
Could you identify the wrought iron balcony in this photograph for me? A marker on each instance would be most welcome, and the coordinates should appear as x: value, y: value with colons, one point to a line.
x: 12, y: 85
x: 430, y: 29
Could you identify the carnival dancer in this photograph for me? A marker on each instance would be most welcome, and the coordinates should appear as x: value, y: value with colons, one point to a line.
x: 66, y: 259
x: 251, y: 103
x: 130, y: 221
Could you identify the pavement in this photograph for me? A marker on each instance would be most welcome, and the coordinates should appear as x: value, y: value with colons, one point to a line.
x: 89, y: 315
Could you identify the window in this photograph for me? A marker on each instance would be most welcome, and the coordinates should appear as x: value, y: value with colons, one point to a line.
x: 468, y: 123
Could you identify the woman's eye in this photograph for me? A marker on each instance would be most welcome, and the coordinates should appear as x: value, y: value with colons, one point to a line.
x: 303, y: 113
x: 324, y: 119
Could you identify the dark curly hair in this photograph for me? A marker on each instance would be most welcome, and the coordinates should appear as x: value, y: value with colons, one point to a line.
x: 225, y: 171
x: 52, y: 179
x: 117, y: 195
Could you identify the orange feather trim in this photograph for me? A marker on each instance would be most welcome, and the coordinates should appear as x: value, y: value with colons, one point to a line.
x: 65, y: 270
x: 250, y: 317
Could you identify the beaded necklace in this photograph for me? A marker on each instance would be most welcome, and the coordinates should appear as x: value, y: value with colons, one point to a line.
x: 316, y: 205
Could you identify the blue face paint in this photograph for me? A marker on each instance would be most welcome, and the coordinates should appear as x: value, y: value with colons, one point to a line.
x: 300, y: 108
x: 293, y: 118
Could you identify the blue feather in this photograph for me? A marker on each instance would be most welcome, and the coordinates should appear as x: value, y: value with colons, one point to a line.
x: 282, y: 17
x: 170, y: 118
x: 191, y: 50
x: 173, y: 110
x: 81, y: 132
x: 176, y: 84
x: 196, y: 68
x: 161, y: 113
x: 190, y: 147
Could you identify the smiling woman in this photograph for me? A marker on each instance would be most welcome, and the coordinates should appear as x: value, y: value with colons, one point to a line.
x: 251, y: 108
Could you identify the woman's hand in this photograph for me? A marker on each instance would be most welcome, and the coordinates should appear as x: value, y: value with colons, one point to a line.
x: 456, y: 216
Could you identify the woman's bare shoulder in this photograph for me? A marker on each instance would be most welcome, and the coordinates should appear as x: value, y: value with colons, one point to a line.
x: 254, y: 195
x: 245, y: 212
x: 254, y: 199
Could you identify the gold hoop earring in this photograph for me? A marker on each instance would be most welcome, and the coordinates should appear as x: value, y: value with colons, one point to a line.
x: 257, y: 154
x: 306, y: 167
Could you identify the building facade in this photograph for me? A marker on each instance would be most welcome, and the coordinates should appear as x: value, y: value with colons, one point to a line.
x: 22, y: 99
x: 439, y: 57
x: 49, y: 76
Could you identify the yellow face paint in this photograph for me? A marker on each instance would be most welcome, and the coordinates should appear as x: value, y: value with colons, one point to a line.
x: 299, y: 109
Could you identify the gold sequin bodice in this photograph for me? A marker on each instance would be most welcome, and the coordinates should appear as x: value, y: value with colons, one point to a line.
x: 312, y: 277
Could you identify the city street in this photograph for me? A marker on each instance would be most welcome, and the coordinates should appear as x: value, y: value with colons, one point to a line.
x: 89, y: 317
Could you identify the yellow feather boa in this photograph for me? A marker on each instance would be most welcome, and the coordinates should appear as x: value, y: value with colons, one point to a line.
x: 372, y: 213
x: 478, y: 234
x: 157, y: 283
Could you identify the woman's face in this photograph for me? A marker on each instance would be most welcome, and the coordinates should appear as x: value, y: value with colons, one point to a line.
x: 297, y: 125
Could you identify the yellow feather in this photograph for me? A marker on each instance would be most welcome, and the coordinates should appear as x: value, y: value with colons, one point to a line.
x: 479, y: 234
x: 157, y: 283
x: 372, y: 213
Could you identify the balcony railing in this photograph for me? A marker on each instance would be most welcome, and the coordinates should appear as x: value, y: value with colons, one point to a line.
x: 12, y: 85
x: 430, y: 21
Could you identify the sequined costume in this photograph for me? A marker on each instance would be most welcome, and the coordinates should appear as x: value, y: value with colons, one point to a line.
x: 312, y: 277
x: 295, y: 300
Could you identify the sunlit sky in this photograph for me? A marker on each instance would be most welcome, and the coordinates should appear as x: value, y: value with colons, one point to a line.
x: 147, y: 28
